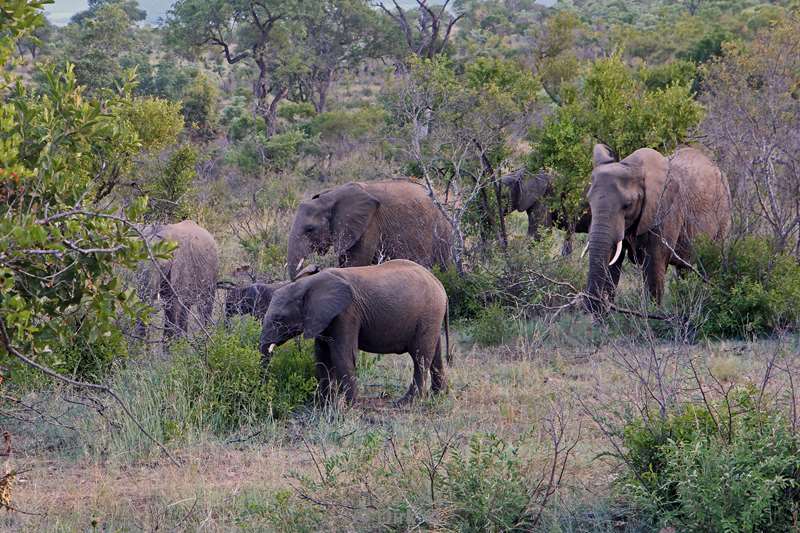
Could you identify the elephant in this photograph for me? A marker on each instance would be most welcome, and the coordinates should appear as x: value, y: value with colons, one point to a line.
x: 394, y: 307
x: 529, y: 194
x: 254, y: 298
x: 366, y: 223
x: 653, y: 207
x: 189, y: 277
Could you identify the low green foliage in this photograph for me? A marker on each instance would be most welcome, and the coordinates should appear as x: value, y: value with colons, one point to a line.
x: 227, y: 386
x: 731, y: 466
x: 751, y: 289
x: 486, y: 487
x: 492, y: 326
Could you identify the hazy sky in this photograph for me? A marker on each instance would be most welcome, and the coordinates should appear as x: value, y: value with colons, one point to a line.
x: 61, y: 11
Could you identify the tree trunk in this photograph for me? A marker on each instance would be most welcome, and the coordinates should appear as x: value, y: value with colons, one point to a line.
x: 271, y: 115
x: 501, y: 214
x: 323, y: 86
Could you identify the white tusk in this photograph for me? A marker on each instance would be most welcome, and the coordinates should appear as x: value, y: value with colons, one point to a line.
x: 300, y: 263
x: 585, y: 249
x: 271, y: 347
x: 616, y: 254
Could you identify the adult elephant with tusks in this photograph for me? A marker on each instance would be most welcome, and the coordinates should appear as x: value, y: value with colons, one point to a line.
x: 394, y: 307
x: 366, y: 223
x: 651, y: 207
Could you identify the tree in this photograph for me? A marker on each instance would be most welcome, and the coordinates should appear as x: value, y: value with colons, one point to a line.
x: 130, y: 7
x: 37, y: 39
x: 339, y: 34
x: 453, y: 130
x: 429, y: 35
x: 62, y: 240
x: 99, y: 44
x: 752, y: 94
x: 253, y: 31
x: 615, y: 107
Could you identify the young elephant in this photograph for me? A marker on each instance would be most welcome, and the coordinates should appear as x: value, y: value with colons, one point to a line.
x: 252, y: 299
x: 394, y: 307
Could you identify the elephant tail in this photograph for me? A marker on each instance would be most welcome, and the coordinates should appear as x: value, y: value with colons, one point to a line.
x: 447, y: 333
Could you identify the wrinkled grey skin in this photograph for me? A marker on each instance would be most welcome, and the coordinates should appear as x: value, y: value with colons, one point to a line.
x: 656, y: 207
x: 250, y: 299
x: 190, y: 276
x: 370, y: 222
x: 394, y: 307
x: 528, y: 194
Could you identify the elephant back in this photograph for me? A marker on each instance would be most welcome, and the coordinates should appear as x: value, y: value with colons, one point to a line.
x: 194, y: 266
x: 705, y: 195
x: 411, y: 225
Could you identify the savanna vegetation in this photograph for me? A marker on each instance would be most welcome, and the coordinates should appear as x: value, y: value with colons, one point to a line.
x: 678, y: 416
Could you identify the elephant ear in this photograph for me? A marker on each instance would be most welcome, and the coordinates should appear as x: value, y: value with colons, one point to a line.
x: 659, y: 190
x: 603, y: 155
x: 326, y: 297
x: 352, y: 212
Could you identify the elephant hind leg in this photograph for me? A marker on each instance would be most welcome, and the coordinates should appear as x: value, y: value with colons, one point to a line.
x: 438, y: 378
x: 417, y: 386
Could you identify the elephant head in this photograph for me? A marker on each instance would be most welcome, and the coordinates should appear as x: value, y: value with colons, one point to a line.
x: 306, y: 306
x: 250, y: 299
x: 335, y: 217
x: 624, y: 198
x: 525, y: 191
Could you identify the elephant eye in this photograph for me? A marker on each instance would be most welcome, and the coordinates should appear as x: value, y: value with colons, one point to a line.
x: 626, y: 206
x: 308, y: 229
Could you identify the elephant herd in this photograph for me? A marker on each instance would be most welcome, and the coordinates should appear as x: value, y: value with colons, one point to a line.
x: 388, y: 234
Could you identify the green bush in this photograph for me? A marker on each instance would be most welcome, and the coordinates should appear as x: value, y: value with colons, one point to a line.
x: 227, y: 386
x: 89, y: 356
x: 486, y: 488
x: 492, y: 326
x: 465, y: 292
x: 736, y: 470
x: 752, y: 289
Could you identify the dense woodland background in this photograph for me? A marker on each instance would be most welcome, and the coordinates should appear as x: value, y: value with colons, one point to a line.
x: 681, y: 416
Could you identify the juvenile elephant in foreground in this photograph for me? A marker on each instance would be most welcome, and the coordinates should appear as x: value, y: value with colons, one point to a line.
x: 653, y: 207
x: 530, y: 194
x: 189, y: 277
x: 369, y: 222
x: 394, y: 307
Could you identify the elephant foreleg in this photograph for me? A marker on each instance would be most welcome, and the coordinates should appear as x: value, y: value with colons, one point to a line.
x: 655, y: 270
x: 323, y: 368
x: 343, y: 362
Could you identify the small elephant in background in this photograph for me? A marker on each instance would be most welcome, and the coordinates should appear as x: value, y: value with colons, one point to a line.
x: 189, y: 277
x: 366, y: 223
x: 529, y: 193
x: 395, y: 307
x: 254, y: 298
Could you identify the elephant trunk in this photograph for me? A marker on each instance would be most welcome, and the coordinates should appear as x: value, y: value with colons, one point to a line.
x: 599, y: 284
x: 297, y: 252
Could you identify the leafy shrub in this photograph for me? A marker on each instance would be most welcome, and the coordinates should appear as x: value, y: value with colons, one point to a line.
x: 227, y: 386
x: 170, y: 188
x: 200, y: 105
x: 465, y: 292
x: 492, y: 326
x: 294, y: 112
x: 486, y: 488
x: 753, y: 290
x: 699, y: 472
x: 284, y: 149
